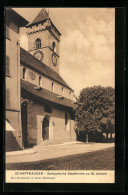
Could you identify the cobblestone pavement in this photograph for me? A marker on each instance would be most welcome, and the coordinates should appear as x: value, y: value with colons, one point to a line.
x: 97, y: 160
x: 56, y: 151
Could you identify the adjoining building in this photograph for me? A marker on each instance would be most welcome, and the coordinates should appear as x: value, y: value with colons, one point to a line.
x: 46, y: 102
x: 13, y: 133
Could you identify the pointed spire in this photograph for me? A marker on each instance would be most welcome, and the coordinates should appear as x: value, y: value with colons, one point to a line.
x: 43, y: 15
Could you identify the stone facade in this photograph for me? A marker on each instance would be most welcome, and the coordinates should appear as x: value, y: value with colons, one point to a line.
x: 58, y: 131
x: 45, y: 82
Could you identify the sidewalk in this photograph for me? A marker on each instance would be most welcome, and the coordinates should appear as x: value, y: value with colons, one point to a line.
x: 54, y: 151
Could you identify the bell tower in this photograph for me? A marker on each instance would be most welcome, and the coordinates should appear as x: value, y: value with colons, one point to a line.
x: 43, y: 40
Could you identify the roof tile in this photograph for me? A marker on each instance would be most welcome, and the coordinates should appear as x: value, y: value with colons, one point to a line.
x: 43, y: 15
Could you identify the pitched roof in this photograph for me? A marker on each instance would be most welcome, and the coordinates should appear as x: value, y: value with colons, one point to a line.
x: 27, y: 59
x: 43, y: 15
x: 46, y: 95
x: 18, y: 19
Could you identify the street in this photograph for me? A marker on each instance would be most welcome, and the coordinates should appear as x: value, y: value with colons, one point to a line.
x: 97, y: 160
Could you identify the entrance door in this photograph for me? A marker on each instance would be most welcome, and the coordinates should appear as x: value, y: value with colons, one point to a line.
x: 45, y: 129
x: 24, y: 123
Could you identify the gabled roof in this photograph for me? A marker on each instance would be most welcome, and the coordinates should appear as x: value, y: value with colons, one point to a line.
x: 27, y: 59
x: 45, y: 94
x: 43, y: 15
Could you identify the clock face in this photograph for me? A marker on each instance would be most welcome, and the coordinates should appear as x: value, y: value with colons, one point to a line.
x: 39, y: 55
x: 54, y: 59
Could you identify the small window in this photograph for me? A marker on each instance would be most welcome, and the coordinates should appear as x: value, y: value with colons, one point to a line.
x: 69, y: 94
x: 7, y: 65
x: 7, y: 98
x: 52, y: 87
x: 48, y: 109
x: 24, y: 73
x: 62, y: 91
x: 40, y: 84
x: 54, y: 46
x: 38, y: 43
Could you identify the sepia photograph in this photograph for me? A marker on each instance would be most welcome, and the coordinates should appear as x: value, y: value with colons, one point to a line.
x: 60, y: 95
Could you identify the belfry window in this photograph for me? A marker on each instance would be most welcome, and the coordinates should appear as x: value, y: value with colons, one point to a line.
x: 54, y: 46
x: 38, y: 43
x: 24, y: 73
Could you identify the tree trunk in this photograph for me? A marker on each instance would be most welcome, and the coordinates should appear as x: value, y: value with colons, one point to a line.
x: 106, y: 135
x: 111, y: 135
x: 87, y: 137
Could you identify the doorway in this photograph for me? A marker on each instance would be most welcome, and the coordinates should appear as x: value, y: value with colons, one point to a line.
x: 45, y: 128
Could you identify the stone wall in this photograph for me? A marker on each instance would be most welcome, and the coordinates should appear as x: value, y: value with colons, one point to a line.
x: 46, y: 83
x: 57, y: 128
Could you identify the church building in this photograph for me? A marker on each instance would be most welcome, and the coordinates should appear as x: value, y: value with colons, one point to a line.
x: 47, y: 101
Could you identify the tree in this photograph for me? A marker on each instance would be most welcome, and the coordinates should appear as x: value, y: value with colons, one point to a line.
x: 95, y: 111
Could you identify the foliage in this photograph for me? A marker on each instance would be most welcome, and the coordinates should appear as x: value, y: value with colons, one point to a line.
x: 96, y: 110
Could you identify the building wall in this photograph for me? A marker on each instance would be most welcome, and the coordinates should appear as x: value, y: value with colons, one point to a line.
x: 46, y: 83
x: 57, y: 128
x: 13, y: 79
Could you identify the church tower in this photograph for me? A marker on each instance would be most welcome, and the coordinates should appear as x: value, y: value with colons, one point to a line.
x: 43, y: 40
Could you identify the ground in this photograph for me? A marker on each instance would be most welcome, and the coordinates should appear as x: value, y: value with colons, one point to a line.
x: 96, y: 160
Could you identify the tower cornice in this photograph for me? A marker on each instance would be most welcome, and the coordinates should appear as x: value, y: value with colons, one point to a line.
x: 46, y: 25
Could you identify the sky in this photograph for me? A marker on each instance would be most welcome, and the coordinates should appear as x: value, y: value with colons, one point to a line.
x: 87, y: 44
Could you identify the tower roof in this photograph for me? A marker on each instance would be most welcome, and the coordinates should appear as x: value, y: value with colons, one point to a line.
x: 43, y: 15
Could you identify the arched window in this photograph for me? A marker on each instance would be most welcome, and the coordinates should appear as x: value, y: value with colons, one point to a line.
x: 24, y: 73
x: 69, y: 94
x: 62, y: 91
x: 52, y: 87
x: 54, y: 46
x: 38, y: 43
x: 40, y: 84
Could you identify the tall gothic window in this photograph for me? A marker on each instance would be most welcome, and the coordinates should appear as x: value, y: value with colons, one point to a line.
x: 40, y: 81
x: 62, y: 91
x: 38, y: 43
x: 24, y: 73
x: 52, y: 87
x: 54, y: 46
